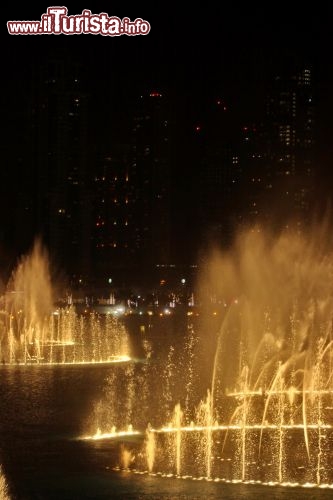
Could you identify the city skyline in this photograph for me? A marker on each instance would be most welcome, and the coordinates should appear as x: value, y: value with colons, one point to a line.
x: 191, y: 74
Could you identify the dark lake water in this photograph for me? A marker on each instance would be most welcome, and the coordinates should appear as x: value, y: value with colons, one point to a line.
x: 45, y: 411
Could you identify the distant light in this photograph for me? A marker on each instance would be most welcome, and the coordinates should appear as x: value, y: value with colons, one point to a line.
x: 155, y: 94
x: 197, y: 128
x: 183, y: 280
x: 110, y: 280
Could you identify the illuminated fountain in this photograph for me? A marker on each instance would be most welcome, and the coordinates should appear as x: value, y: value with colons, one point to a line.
x: 4, y: 490
x: 32, y: 331
x: 267, y: 414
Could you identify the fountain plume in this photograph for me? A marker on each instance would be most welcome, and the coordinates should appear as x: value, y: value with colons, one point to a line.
x: 265, y: 414
x: 34, y: 330
x: 4, y: 490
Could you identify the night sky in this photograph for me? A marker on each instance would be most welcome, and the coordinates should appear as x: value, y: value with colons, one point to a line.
x: 206, y: 52
x: 228, y: 50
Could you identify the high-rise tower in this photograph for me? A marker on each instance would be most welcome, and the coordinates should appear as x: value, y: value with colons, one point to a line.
x: 61, y: 158
x: 290, y: 142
